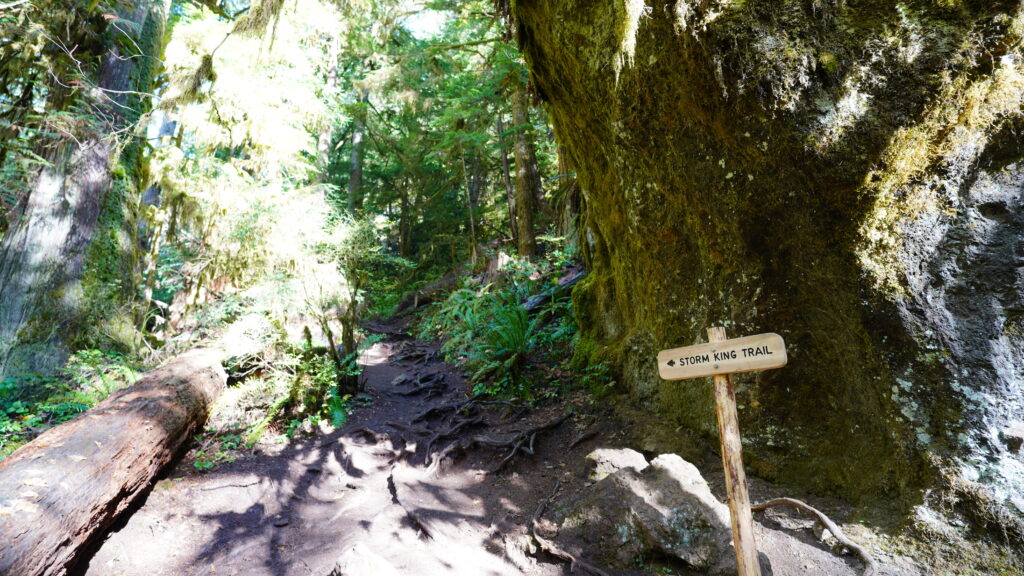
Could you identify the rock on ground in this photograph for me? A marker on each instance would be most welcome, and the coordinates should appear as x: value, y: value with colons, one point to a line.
x: 664, y: 508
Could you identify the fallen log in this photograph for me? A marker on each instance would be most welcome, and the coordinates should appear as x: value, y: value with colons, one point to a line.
x: 60, y: 491
x: 563, y: 286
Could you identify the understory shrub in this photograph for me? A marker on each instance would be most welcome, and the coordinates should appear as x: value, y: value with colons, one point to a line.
x: 31, y: 404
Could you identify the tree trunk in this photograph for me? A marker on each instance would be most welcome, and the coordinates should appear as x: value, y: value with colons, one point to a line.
x: 506, y: 176
x: 404, y: 223
x: 323, y: 144
x: 43, y: 256
x: 355, y: 173
x: 63, y: 489
x: 469, y: 173
x: 527, y: 179
x: 569, y: 199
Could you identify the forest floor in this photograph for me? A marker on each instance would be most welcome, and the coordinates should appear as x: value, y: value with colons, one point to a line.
x: 372, y: 495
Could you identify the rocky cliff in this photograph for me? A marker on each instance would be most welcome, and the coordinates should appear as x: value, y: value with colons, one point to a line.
x: 847, y: 174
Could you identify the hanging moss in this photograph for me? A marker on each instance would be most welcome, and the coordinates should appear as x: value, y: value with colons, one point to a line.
x: 107, y: 315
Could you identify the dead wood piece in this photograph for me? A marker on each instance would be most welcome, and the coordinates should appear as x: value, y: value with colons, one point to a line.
x: 63, y: 489
x: 870, y: 567
x: 555, y: 550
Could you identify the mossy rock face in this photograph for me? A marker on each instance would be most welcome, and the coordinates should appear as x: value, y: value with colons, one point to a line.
x: 844, y: 174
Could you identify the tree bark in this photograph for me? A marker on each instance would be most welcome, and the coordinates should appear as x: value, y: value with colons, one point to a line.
x: 63, y: 489
x: 355, y: 173
x: 473, y: 178
x: 568, y: 209
x: 404, y: 222
x: 323, y: 144
x: 506, y: 176
x: 43, y: 255
x: 527, y: 178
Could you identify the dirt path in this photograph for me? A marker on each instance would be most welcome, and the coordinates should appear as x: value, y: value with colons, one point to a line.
x: 362, y: 493
x: 368, y: 494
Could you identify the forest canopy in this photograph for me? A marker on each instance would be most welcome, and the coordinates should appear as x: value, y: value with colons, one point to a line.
x: 335, y: 155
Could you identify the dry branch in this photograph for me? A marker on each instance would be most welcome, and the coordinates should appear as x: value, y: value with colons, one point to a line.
x: 63, y: 489
x: 870, y: 568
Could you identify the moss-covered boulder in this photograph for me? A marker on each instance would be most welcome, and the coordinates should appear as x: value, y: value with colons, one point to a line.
x: 847, y: 174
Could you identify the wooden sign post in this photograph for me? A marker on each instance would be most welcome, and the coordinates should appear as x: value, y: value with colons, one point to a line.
x: 720, y: 358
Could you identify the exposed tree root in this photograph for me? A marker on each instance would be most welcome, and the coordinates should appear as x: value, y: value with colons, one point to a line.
x: 551, y: 548
x: 460, y: 424
x: 870, y: 567
x: 404, y: 428
x: 520, y: 442
x: 432, y: 384
x: 583, y: 438
x: 451, y: 407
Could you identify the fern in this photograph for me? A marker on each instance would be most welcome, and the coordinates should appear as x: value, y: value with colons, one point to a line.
x: 497, y: 357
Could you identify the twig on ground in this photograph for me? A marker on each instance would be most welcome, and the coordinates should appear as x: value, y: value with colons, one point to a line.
x: 243, y: 485
x: 870, y: 567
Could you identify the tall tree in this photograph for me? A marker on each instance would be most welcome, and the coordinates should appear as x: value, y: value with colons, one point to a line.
x: 50, y: 247
x: 528, y: 188
x: 355, y: 173
x: 506, y: 179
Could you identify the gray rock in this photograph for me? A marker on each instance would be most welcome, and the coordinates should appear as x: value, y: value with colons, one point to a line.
x: 605, y: 461
x: 1013, y: 435
x: 664, y: 509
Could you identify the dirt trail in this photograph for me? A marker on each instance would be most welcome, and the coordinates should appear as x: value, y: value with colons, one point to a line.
x: 361, y: 492
x: 369, y: 494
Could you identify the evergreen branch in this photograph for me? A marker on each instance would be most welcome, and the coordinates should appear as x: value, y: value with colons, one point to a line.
x: 439, y: 47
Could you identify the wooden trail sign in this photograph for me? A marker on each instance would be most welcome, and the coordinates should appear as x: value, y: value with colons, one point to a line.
x: 761, y: 352
x: 720, y: 358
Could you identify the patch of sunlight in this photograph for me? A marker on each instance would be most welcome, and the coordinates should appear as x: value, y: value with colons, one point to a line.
x: 838, y: 117
x: 379, y: 353
x: 423, y: 23
x: 511, y: 506
x: 951, y: 135
x: 248, y: 333
x: 635, y: 10
x: 911, y: 46
x: 688, y: 17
